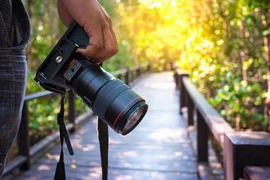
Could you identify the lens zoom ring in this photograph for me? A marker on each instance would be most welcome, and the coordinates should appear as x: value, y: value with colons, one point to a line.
x: 106, y: 96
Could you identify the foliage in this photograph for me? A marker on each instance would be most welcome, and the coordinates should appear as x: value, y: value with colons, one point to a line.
x: 240, y: 103
x: 222, y: 44
x: 229, y: 64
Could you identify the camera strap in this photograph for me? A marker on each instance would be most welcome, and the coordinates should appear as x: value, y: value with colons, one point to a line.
x: 103, y: 145
x: 60, y: 172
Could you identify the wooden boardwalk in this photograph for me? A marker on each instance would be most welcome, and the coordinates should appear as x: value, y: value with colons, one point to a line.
x: 159, y: 148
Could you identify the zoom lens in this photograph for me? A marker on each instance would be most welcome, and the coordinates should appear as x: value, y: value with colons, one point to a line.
x: 109, y: 98
x: 134, y: 118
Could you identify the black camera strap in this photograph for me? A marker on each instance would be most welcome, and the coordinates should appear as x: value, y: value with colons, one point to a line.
x: 60, y: 173
x: 104, y: 146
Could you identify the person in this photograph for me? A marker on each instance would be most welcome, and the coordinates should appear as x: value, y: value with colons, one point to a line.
x: 14, y: 35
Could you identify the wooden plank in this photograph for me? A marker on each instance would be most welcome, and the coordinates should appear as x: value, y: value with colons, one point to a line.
x: 94, y: 173
x: 255, y: 173
x: 144, y: 157
x: 205, y: 171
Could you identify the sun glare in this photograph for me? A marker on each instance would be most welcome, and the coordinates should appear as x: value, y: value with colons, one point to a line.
x: 157, y: 4
x: 167, y: 29
x: 151, y: 3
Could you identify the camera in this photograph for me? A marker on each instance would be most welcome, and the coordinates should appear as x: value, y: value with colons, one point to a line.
x: 64, y: 69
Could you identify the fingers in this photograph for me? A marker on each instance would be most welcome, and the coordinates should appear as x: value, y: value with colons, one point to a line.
x: 96, y: 22
x: 103, y: 45
x: 95, y: 44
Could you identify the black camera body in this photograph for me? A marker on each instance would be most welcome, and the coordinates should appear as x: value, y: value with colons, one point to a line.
x: 49, y: 74
x: 112, y: 100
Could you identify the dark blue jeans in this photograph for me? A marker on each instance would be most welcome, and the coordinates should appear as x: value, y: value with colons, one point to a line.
x: 12, y: 75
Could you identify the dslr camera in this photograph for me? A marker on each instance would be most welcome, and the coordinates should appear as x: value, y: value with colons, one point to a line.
x: 110, y: 99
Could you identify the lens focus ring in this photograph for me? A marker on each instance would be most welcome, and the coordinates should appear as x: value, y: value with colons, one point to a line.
x: 106, y: 96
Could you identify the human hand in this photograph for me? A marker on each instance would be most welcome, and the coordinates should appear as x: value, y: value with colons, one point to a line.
x: 96, y: 22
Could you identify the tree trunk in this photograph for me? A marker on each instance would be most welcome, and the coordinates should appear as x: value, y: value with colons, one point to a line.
x: 266, y: 41
x: 243, y: 53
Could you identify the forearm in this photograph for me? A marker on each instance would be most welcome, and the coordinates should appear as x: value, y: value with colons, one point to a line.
x: 81, y: 11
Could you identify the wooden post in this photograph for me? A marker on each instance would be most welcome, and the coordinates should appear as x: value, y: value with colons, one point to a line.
x: 120, y: 76
x: 243, y: 149
x: 138, y: 71
x: 148, y: 68
x: 183, y: 92
x: 176, y: 77
x: 127, y: 77
x: 202, y: 139
x: 190, y: 105
x: 23, y: 138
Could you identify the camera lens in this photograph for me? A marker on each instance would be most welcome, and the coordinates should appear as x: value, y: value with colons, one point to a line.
x: 109, y: 98
x: 134, y: 118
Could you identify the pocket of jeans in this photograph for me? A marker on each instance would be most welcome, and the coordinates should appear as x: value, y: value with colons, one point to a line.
x: 4, y: 40
x: 22, y: 21
x: 22, y: 25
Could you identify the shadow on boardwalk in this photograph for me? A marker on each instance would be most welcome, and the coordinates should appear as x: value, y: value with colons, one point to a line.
x: 159, y: 148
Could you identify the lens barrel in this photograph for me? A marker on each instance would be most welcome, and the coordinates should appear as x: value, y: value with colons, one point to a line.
x: 109, y: 98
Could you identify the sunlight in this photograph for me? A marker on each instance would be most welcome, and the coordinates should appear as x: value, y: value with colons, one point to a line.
x: 130, y: 154
x: 124, y: 177
x: 44, y: 167
x: 88, y: 147
x: 157, y: 4
x: 151, y: 3
x: 160, y: 85
x: 40, y: 27
x: 73, y: 166
x: 165, y: 134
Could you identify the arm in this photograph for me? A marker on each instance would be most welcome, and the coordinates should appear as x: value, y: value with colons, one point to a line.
x: 96, y: 22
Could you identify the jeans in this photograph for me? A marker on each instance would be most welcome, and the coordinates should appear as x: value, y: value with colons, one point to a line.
x: 12, y: 76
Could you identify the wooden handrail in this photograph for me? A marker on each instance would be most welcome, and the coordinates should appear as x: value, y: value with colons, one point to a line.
x: 208, y: 120
x: 216, y: 123
x: 37, y: 95
x: 120, y: 72
x: 240, y: 149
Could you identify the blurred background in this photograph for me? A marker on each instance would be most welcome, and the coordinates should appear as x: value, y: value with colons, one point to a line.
x: 223, y: 45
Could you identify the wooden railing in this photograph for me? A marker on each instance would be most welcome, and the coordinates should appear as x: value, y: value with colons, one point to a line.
x: 240, y: 149
x: 26, y: 153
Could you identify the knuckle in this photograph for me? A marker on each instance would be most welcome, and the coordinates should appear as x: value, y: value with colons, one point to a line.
x: 112, y: 50
x: 108, y: 21
x: 97, y: 46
